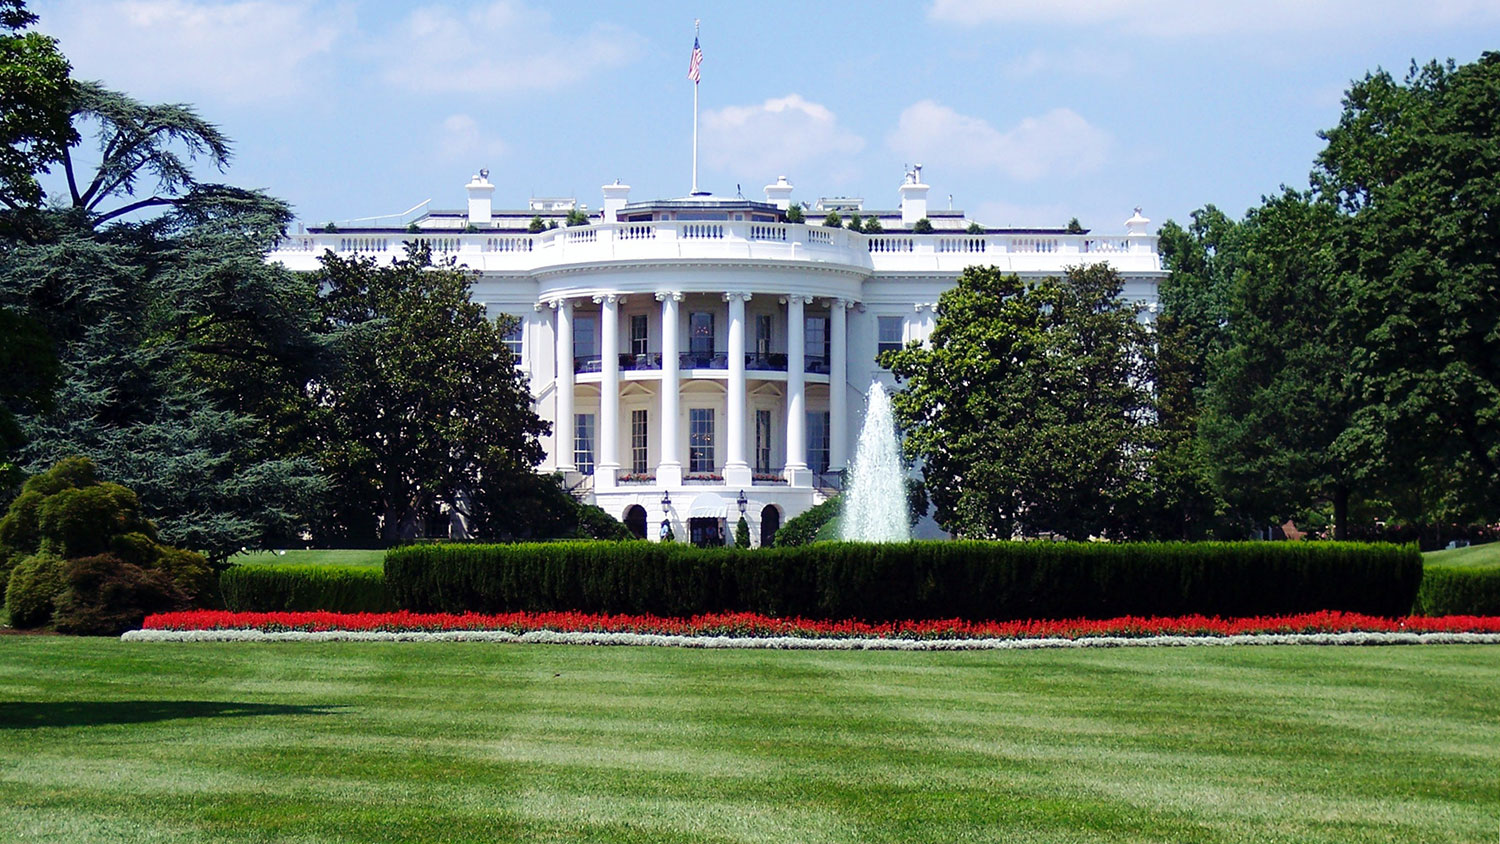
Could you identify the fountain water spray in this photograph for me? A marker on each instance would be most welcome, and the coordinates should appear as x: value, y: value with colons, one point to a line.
x: 875, y: 497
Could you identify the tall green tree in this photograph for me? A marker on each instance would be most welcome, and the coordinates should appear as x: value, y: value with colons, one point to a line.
x: 429, y: 411
x: 1277, y: 398
x: 1182, y: 502
x: 1030, y: 411
x: 173, y: 333
x: 35, y: 97
x: 1415, y: 165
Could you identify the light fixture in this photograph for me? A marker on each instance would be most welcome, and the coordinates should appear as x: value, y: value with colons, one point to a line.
x: 666, y: 499
x: 742, y: 502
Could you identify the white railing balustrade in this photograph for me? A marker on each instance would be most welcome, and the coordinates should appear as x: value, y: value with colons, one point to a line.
x: 703, y: 231
x: 889, y: 243
x: 942, y: 251
x: 960, y: 244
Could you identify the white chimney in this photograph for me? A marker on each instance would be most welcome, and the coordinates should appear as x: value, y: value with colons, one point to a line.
x: 615, y: 197
x: 913, y: 197
x: 780, y: 194
x: 480, y: 194
x: 1137, y: 224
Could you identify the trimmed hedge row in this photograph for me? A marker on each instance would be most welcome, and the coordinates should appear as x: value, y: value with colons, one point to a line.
x: 1459, y: 591
x: 918, y: 580
x: 297, y: 588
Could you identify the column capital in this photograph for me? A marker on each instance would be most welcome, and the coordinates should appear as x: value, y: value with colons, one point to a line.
x: 611, y: 298
x: 560, y: 302
x: 736, y: 294
x: 806, y: 300
x: 926, y: 306
x: 674, y: 295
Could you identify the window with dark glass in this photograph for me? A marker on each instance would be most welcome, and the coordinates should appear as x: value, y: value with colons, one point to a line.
x: 763, y: 441
x: 584, y: 340
x: 639, y: 441
x: 513, y: 337
x: 817, y: 440
x: 890, y: 329
x: 638, y: 334
x: 700, y: 439
x: 583, y: 442
x: 762, y: 335
x: 701, y: 334
x: 817, y: 343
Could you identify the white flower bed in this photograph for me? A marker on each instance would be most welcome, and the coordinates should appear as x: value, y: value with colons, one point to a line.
x: 547, y: 637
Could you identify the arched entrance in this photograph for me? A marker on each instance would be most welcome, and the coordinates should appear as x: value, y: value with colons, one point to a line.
x: 635, y: 520
x: 770, y: 522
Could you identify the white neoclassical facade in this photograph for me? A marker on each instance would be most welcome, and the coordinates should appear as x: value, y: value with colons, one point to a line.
x: 704, y: 357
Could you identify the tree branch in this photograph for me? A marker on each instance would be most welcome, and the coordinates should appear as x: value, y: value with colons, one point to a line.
x: 134, y: 206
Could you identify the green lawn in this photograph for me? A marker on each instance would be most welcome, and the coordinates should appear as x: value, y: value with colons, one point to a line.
x: 358, y: 557
x: 102, y: 740
x: 1474, y: 556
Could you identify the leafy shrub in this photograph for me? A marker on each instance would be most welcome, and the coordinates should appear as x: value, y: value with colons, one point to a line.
x: 804, y: 527
x: 283, y: 588
x: 971, y: 580
x: 66, y: 514
x: 794, y: 214
x: 105, y: 596
x: 594, y: 523
x: 1459, y: 591
x: 833, y: 220
x: 34, y: 586
x: 742, y: 533
x: 922, y: 226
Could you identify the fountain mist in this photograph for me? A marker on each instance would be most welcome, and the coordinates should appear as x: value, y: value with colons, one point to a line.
x: 875, y: 497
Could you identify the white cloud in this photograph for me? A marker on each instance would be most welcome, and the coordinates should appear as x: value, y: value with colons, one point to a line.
x: 775, y: 138
x: 1185, y: 18
x: 181, y: 49
x: 1059, y: 142
x: 459, y: 137
x: 496, y: 47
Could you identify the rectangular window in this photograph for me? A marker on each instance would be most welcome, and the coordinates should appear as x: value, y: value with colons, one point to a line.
x: 513, y: 337
x: 762, y: 335
x: 639, y: 441
x: 890, y: 330
x: 701, y: 335
x: 583, y: 442
x: 701, y: 439
x: 763, y: 441
x: 638, y: 334
x: 817, y: 343
x: 584, y: 348
x: 817, y: 440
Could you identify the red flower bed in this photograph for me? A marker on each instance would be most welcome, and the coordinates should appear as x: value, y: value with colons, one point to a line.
x: 751, y: 625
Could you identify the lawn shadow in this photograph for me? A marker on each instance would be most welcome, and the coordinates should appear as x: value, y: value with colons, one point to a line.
x: 28, y: 715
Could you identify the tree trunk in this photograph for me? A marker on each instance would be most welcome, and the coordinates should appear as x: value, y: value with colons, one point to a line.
x: 1341, y: 512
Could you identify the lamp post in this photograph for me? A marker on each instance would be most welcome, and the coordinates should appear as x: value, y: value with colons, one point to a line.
x: 742, y: 502
x: 666, y: 511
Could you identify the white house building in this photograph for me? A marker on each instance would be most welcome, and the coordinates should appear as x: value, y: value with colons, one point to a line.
x: 703, y: 357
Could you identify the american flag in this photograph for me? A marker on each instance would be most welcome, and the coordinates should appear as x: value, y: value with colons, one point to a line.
x: 695, y: 61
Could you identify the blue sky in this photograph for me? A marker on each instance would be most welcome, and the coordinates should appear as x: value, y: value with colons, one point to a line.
x: 1026, y: 113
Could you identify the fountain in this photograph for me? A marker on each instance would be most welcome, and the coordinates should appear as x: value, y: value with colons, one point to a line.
x: 875, y: 497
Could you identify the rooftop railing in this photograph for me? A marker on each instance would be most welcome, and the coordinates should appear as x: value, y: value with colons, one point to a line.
x: 733, y: 239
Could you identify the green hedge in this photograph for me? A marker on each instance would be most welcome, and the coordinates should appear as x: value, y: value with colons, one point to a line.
x: 291, y: 587
x: 1459, y: 591
x: 973, y: 580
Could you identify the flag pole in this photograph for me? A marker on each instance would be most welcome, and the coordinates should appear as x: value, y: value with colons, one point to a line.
x: 695, y: 115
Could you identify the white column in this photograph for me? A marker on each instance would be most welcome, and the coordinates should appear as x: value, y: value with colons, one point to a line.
x: 562, y: 428
x: 736, y: 469
x: 838, y: 386
x: 609, y: 392
x: 669, y: 468
x: 797, y: 473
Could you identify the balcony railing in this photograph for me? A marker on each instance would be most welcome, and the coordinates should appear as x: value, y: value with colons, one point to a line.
x: 703, y: 360
x: 768, y: 362
x: 816, y: 364
x: 587, y: 363
x: 635, y: 363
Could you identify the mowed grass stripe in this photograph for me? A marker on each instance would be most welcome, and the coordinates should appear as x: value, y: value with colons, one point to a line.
x: 108, y: 741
